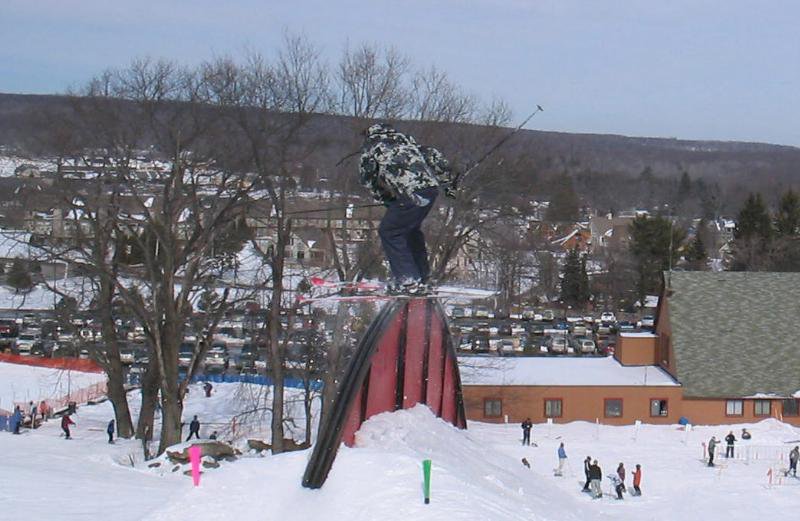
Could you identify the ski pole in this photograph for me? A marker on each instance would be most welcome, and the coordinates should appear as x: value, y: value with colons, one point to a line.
x: 334, y: 208
x: 497, y: 145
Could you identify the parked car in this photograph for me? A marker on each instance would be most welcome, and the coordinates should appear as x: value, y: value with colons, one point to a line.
x: 481, y: 312
x: 458, y: 312
x: 185, y: 354
x: 647, y: 321
x: 517, y: 329
x: 26, y: 341
x: 548, y: 315
x: 626, y: 325
x: 579, y: 329
x: 607, y: 317
x: 536, y: 329
x: 583, y: 345
x: 216, y: 358
x: 8, y: 329
x: 507, y: 345
x: 465, y: 343
x: 127, y: 356
x: 556, y: 344
x: 480, y: 343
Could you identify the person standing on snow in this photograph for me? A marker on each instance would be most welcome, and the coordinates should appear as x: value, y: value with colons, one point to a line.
x: 794, y: 455
x: 587, y: 464
x: 194, y: 428
x: 637, y: 480
x: 405, y: 177
x: 712, y: 447
x: 730, y: 439
x: 527, y: 425
x: 208, y: 388
x: 562, y: 458
x: 16, y: 420
x: 595, y: 475
x: 621, y: 474
x: 33, y: 412
x: 110, y: 431
x: 66, y: 421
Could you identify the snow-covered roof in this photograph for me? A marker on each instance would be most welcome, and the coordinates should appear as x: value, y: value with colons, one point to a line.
x: 558, y: 371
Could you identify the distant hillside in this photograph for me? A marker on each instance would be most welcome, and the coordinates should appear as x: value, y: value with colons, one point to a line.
x: 734, y: 166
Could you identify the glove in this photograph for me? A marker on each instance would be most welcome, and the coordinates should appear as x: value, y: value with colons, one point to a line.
x: 418, y: 200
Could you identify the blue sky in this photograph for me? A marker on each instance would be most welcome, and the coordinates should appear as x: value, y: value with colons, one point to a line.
x: 695, y: 69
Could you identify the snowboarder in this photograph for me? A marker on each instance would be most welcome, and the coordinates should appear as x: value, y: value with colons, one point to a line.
x: 16, y: 420
x: 794, y: 455
x: 637, y: 480
x: 621, y: 474
x: 527, y: 425
x: 596, y: 475
x: 587, y: 464
x: 730, y: 439
x: 207, y: 388
x: 194, y: 428
x: 746, y: 435
x: 562, y: 459
x: 66, y: 421
x: 405, y: 177
x: 712, y: 446
x: 110, y: 431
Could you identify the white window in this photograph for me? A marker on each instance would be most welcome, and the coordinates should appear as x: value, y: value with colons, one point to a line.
x: 762, y: 407
x: 734, y: 408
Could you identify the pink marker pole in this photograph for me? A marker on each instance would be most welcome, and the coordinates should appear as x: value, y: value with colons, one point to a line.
x: 194, y: 458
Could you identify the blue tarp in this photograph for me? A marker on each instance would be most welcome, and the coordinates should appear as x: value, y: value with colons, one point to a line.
x: 5, y: 423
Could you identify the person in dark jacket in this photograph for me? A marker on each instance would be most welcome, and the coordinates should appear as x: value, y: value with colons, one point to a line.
x: 405, y: 177
x: 596, y: 475
x: 110, y: 431
x: 207, y: 388
x: 730, y: 439
x: 213, y: 436
x: 621, y: 474
x: 746, y: 435
x: 587, y: 463
x: 33, y: 412
x: 527, y: 425
x: 712, y: 447
x: 194, y: 428
x: 66, y: 421
x: 16, y: 420
x: 794, y: 455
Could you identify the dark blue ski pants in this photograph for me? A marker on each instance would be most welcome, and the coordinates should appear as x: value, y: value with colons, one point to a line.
x: 402, y: 238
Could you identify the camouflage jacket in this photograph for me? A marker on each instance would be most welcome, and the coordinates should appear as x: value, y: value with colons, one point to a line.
x: 393, y: 165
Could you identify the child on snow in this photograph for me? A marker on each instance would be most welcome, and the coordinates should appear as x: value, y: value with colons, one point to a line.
x: 637, y: 480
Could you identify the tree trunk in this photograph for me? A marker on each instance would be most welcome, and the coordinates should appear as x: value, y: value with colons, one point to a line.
x: 119, y: 400
x: 171, y: 403
x: 276, y: 359
x: 144, y: 426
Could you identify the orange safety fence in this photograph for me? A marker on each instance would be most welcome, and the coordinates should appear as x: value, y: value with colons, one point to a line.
x: 72, y: 364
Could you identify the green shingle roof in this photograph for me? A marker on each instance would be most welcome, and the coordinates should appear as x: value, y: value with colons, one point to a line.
x: 736, y: 334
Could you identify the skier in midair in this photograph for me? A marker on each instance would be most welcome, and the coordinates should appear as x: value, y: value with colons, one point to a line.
x: 405, y: 177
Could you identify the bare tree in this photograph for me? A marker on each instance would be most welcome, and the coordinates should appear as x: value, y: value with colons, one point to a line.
x: 370, y: 83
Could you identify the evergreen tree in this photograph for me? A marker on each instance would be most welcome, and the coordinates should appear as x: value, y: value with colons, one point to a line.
x: 696, y: 254
x: 787, y: 222
x: 574, y: 281
x: 655, y: 244
x: 753, y: 220
x: 564, y: 203
x: 19, y: 277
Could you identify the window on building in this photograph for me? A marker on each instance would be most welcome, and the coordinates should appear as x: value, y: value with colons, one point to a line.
x: 790, y: 407
x: 552, y: 408
x: 613, y: 407
x: 492, y: 407
x: 301, y: 255
x: 762, y: 407
x: 658, y: 407
x: 734, y: 408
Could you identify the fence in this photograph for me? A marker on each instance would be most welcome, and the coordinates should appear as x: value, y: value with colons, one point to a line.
x: 257, y: 379
x: 72, y: 364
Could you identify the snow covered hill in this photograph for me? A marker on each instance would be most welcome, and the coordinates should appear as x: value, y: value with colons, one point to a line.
x: 477, y: 474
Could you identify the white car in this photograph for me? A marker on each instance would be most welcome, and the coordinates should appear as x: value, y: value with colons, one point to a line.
x: 608, y: 317
x: 26, y: 341
x: 647, y: 321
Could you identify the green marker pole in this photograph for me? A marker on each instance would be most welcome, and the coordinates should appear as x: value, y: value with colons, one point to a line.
x: 426, y: 473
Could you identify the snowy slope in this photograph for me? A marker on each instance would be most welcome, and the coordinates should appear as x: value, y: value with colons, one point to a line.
x: 21, y: 383
x: 477, y: 474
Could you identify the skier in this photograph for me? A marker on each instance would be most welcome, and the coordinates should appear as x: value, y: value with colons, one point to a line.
x: 794, y: 455
x: 562, y: 458
x: 596, y: 475
x: 730, y: 439
x: 194, y: 428
x: 207, y: 388
x: 110, y: 431
x: 16, y: 420
x: 527, y: 425
x: 621, y: 474
x: 66, y: 421
x: 637, y: 480
x: 587, y: 464
x: 405, y: 177
x: 712, y: 445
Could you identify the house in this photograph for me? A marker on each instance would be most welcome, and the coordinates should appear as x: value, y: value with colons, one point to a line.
x: 723, y: 351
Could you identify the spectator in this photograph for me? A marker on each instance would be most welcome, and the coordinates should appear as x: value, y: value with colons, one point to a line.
x: 16, y: 419
x: 194, y: 428
x: 596, y: 475
x: 110, y: 431
x: 712, y: 447
x: 207, y: 388
x: 794, y: 455
x: 621, y: 474
x: 66, y: 421
x: 745, y: 435
x: 587, y: 464
x: 213, y: 436
x: 619, y: 487
x: 730, y: 439
x: 527, y: 425
x: 562, y: 458
x: 33, y: 411
x: 43, y: 410
x: 637, y: 480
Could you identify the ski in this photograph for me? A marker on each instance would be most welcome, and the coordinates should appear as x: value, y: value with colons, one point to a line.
x: 368, y: 297
x: 319, y: 282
